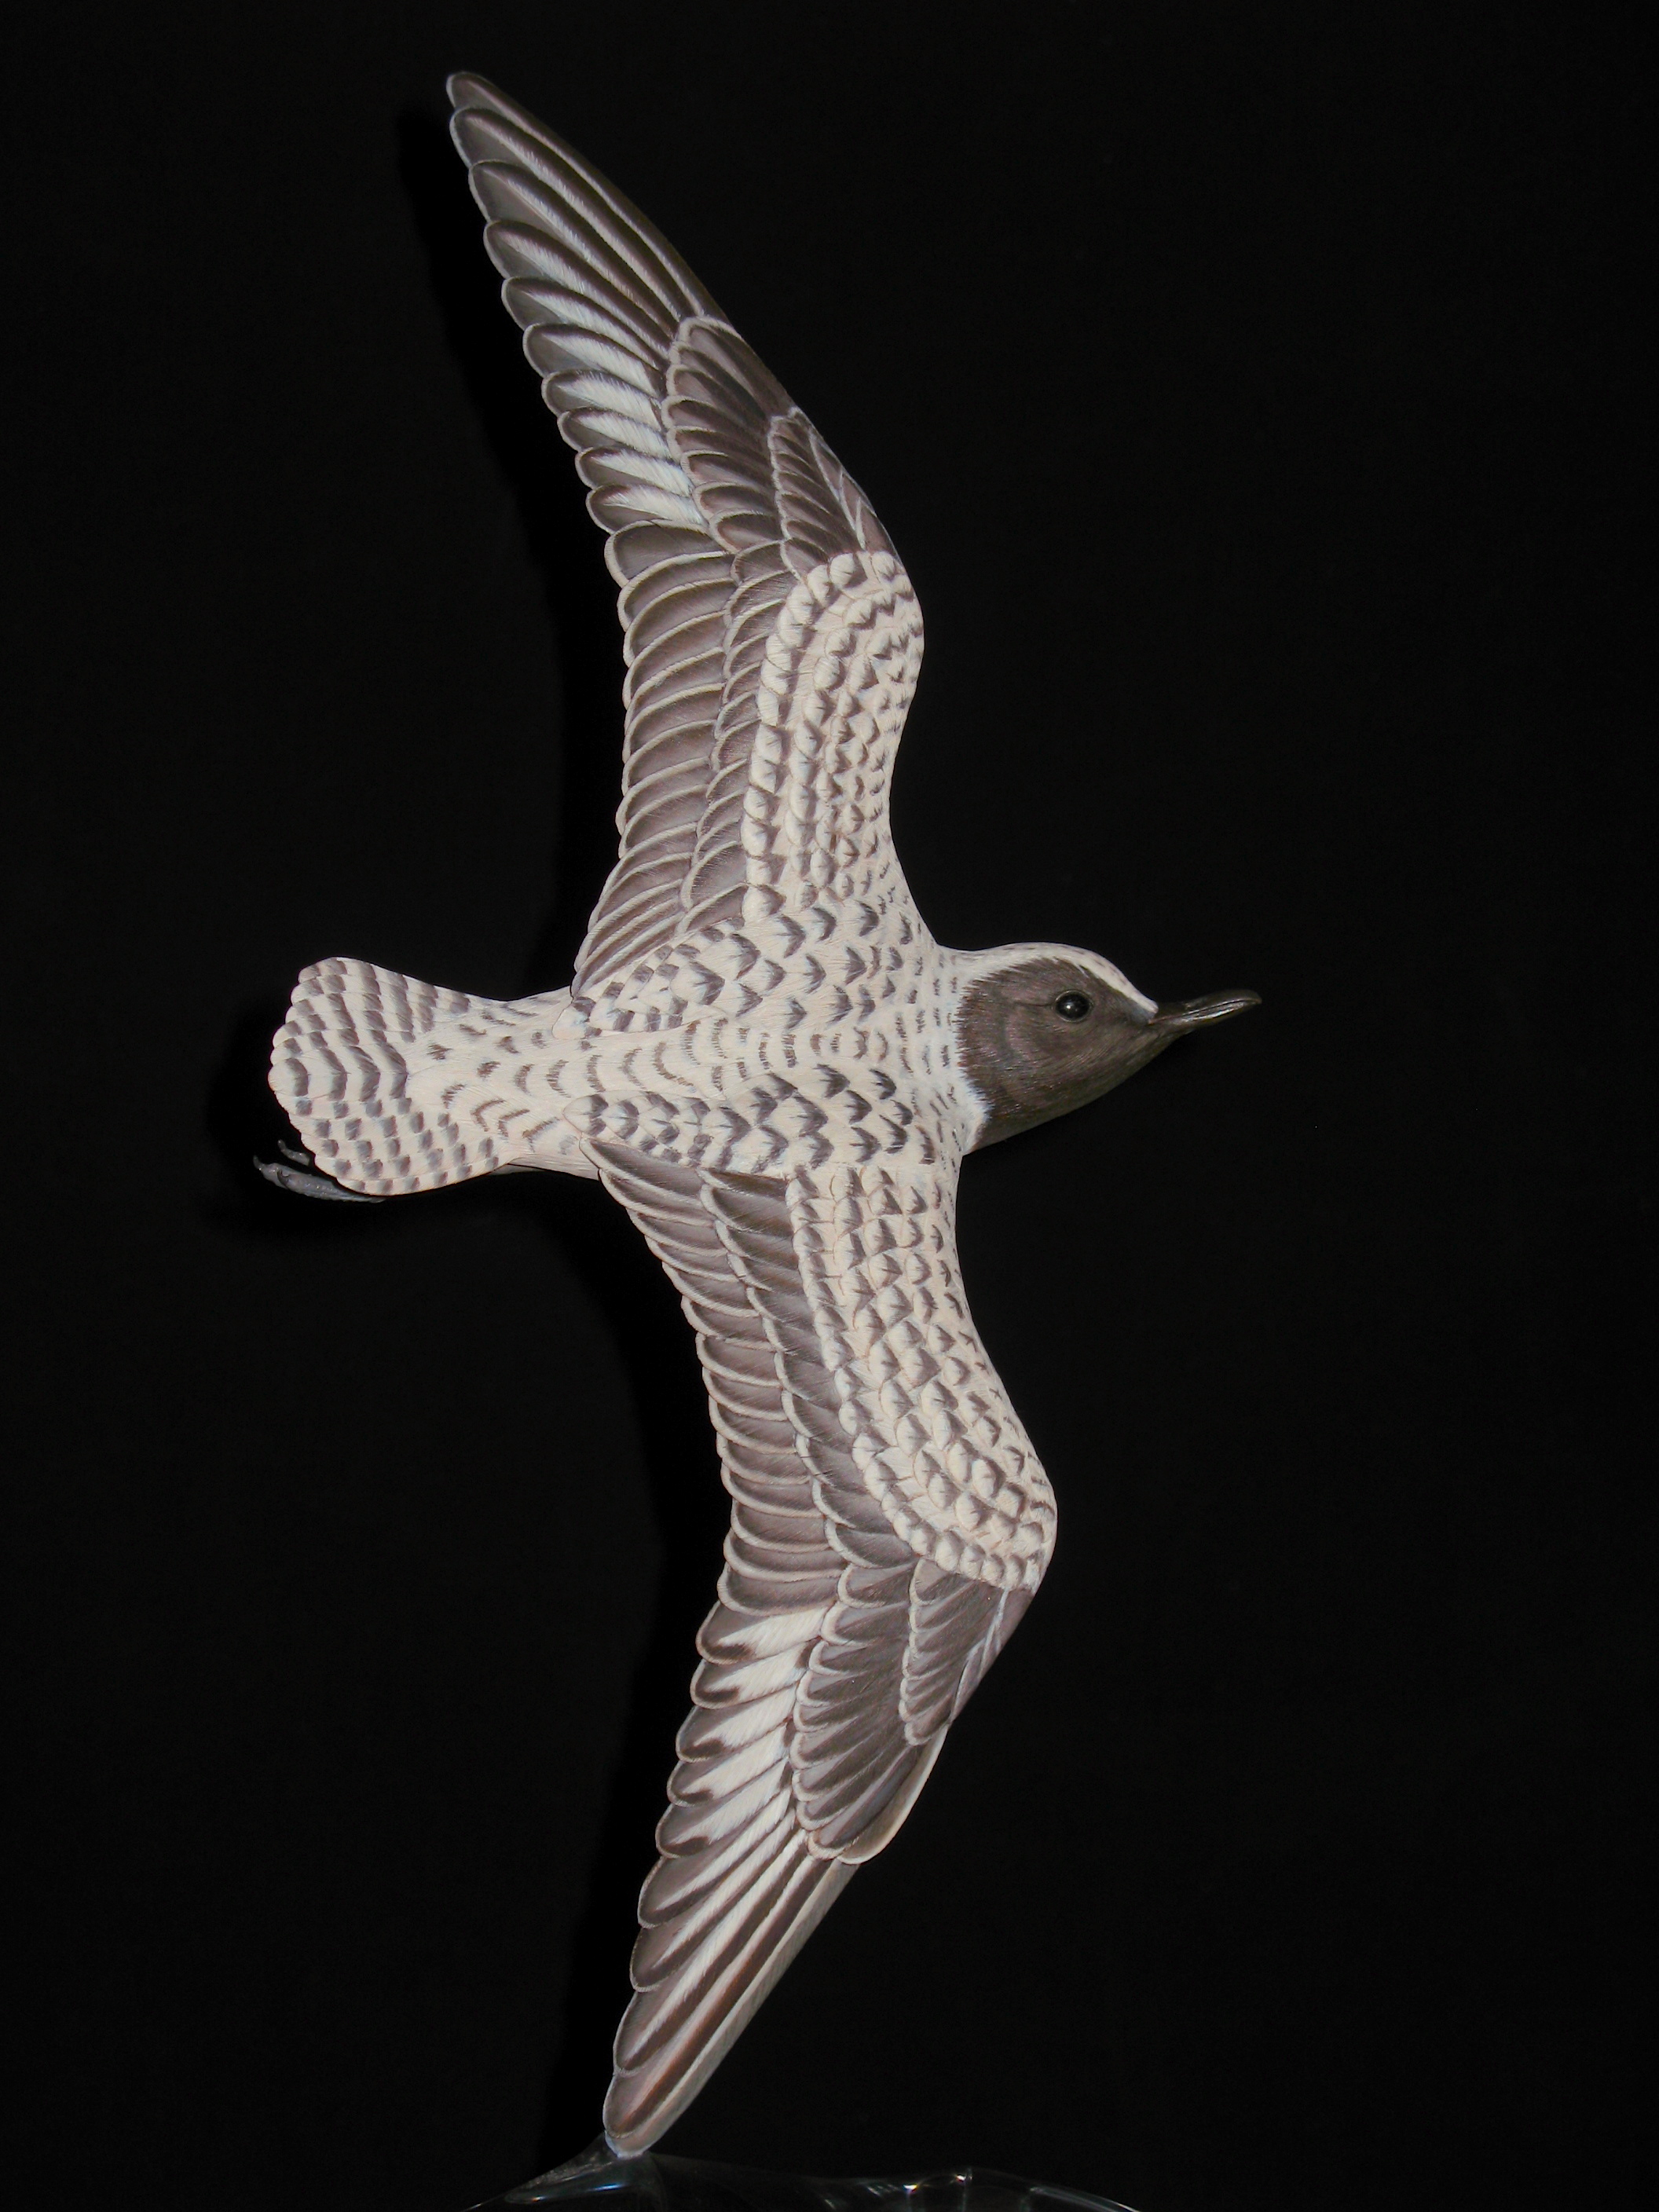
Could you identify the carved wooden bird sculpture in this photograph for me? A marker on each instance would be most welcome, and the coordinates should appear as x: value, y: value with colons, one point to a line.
x: 768, y: 1060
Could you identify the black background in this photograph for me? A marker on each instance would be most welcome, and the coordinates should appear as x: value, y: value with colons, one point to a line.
x: 1251, y: 392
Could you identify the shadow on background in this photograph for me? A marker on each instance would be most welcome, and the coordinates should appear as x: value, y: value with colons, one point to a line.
x: 562, y: 542
x: 610, y: 1261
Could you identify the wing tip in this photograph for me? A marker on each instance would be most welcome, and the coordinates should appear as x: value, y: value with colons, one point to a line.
x: 643, y: 2102
x: 467, y: 88
x: 469, y: 94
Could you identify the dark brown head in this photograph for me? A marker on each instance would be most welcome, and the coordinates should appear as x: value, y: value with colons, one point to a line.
x: 1044, y: 1028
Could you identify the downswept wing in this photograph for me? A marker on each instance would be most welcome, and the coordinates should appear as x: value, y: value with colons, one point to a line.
x: 771, y: 636
x: 889, y: 1525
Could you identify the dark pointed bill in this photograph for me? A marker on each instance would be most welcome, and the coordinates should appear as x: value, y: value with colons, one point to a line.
x: 1194, y: 1013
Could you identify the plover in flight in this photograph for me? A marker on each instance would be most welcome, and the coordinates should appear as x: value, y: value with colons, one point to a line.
x: 766, y: 1059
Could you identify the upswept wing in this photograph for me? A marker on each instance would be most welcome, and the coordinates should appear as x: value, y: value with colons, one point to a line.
x: 888, y: 1524
x: 772, y: 637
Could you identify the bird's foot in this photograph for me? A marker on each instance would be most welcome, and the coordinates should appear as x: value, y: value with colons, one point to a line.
x: 304, y: 1182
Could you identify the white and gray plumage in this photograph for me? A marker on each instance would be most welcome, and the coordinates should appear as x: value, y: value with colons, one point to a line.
x: 768, y: 1060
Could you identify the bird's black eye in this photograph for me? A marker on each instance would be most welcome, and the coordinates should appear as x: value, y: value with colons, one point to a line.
x: 1071, y: 1006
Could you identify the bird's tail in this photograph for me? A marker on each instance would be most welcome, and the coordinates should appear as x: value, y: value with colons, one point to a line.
x: 396, y: 1086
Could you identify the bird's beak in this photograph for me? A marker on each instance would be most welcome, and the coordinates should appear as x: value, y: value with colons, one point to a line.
x: 1194, y: 1013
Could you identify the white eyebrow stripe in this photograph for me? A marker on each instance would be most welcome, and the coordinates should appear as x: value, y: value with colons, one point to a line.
x: 1120, y: 982
x: 998, y: 960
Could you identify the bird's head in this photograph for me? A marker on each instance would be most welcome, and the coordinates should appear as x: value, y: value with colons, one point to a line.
x: 1044, y: 1027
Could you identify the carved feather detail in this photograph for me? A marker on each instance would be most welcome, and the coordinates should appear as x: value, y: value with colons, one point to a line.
x: 776, y: 1070
x: 861, y: 1602
x: 771, y: 638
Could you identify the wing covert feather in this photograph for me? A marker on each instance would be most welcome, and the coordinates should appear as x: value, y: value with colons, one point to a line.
x: 835, y: 1660
x: 745, y: 555
x: 889, y: 1521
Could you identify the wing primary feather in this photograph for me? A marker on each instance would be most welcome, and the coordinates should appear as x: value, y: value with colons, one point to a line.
x: 837, y: 1656
x: 620, y: 330
x: 652, y: 259
x: 646, y: 2099
x: 753, y: 573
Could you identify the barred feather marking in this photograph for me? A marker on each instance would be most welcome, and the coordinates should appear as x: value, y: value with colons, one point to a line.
x: 764, y: 1059
x: 837, y: 1655
x: 622, y: 333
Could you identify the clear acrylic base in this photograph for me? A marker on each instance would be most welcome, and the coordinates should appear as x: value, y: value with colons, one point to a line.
x: 649, y: 2184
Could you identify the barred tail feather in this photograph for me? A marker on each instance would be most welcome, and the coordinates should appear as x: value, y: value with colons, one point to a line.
x: 397, y: 1085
